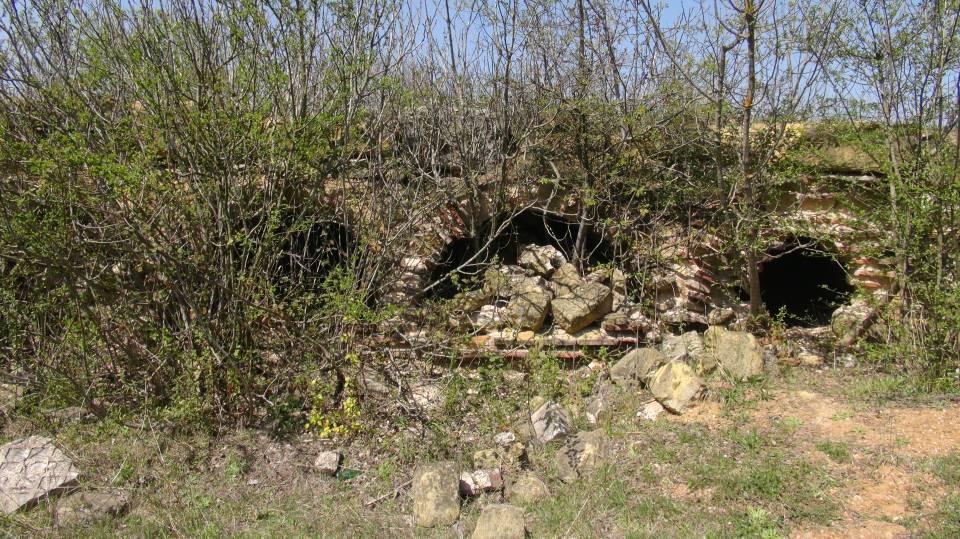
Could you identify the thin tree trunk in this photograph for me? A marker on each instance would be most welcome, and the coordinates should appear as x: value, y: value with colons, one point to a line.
x: 746, y: 163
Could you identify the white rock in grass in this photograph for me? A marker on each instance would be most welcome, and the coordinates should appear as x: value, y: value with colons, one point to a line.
x: 30, y: 469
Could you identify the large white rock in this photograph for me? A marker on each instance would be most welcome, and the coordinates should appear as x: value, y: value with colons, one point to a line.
x: 566, y: 279
x: 31, y: 468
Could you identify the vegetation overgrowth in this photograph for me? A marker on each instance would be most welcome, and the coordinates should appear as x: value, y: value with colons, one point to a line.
x: 202, y: 203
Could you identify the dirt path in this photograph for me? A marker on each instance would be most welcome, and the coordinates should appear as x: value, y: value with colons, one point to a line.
x: 885, y: 460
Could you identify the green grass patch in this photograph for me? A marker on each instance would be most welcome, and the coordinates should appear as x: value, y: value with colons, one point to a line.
x: 837, y: 451
x: 945, y: 523
x: 947, y: 469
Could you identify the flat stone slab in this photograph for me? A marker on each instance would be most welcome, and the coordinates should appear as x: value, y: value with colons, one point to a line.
x: 31, y: 468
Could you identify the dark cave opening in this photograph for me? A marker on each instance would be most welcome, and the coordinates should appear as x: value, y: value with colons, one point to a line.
x: 530, y: 226
x: 311, y: 250
x: 803, y: 282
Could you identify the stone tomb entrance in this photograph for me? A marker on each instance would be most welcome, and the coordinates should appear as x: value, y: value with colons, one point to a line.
x: 804, y: 282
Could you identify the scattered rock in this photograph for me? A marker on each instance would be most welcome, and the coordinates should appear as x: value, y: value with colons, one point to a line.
x: 626, y: 322
x: 436, y: 495
x: 604, y: 394
x: 70, y: 414
x: 736, y: 351
x: 480, y: 481
x: 327, y: 462
x: 594, y: 408
x: 507, y: 454
x: 500, y: 521
x: 527, y: 489
x: 374, y: 383
x: 633, y: 369
x: 650, y: 411
x: 541, y: 259
x: 523, y: 429
x: 581, y: 454
x: 91, y: 506
x: 551, y: 422
x: 675, y: 385
x: 684, y: 347
x: 32, y: 468
x: 513, y: 454
x: 504, y: 439
x: 581, y: 307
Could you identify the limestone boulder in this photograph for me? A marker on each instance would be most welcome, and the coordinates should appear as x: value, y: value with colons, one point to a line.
x: 472, y: 300
x: 436, y: 495
x: 675, y: 385
x: 565, y: 280
x: 612, y: 277
x: 528, y: 307
x: 500, y: 521
x: 31, y: 469
x: 737, y: 352
x: 581, y: 307
x: 636, y: 366
x: 541, y: 259
x: 722, y: 316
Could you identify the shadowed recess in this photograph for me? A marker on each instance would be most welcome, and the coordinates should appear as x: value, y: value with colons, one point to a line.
x: 311, y: 250
x: 803, y: 282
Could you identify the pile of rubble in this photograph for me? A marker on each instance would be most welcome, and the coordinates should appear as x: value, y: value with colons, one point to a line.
x: 544, y: 298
